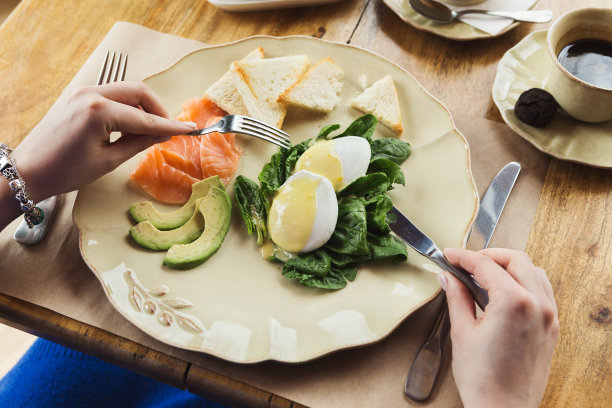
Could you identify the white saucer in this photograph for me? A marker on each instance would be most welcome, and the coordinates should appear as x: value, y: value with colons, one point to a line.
x: 526, y: 66
x: 456, y: 30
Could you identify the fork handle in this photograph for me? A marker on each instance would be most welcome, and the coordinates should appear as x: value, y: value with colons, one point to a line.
x: 217, y: 127
x: 426, y: 365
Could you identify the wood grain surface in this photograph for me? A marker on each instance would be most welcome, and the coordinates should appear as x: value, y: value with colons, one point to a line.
x: 43, y: 44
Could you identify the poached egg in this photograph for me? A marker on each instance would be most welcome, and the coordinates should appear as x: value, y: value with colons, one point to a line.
x: 304, y: 211
x: 341, y: 160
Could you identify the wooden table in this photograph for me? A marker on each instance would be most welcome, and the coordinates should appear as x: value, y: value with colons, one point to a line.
x: 43, y: 44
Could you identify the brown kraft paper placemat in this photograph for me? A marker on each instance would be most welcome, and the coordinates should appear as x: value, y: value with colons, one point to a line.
x: 53, y: 274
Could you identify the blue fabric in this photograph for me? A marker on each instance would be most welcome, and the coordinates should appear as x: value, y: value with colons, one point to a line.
x: 50, y: 375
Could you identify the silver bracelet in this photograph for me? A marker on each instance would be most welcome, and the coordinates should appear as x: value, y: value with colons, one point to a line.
x: 33, y: 215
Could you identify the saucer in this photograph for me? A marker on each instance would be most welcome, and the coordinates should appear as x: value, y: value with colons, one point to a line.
x: 526, y: 66
x: 457, y: 30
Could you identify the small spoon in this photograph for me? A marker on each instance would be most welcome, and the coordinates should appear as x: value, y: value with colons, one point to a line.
x: 440, y: 13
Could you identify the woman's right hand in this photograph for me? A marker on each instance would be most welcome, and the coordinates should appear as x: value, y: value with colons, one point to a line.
x: 502, y: 357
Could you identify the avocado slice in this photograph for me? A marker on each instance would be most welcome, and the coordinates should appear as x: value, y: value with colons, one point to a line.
x: 216, y: 208
x: 146, y: 235
x: 144, y: 211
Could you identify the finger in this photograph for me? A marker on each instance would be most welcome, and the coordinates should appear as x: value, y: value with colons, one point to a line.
x: 487, y: 273
x: 461, y: 308
x: 519, y: 266
x: 129, y: 145
x: 547, y: 286
x: 128, y: 119
x: 134, y: 94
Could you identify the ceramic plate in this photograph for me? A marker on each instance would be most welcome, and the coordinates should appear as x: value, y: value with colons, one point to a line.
x: 526, y: 66
x: 256, y: 5
x: 456, y: 30
x: 236, y: 305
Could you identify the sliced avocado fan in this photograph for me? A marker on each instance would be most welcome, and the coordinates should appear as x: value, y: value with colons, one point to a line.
x: 146, y: 235
x: 144, y: 211
x: 216, y: 208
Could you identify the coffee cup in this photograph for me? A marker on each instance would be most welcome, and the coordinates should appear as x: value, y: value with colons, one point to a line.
x: 585, y: 95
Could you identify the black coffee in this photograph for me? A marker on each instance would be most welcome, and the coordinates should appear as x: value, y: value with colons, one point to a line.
x: 590, y: 60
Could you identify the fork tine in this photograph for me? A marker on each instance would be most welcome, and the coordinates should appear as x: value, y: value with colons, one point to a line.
x: 124, y: 68
x: 111, y: 72
x: 103, y: 69
x: 107, y: 80
x: 264, y: 134
x: 117, y: 68
x: 278, y: 132
x: 258, y: 133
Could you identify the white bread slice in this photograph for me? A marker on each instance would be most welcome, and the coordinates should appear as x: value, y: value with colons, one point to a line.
x: 270, y: 77
x: 264, y: 80
x: 381, y: 101
x: 268, y: 112
x: 224, y: 91
x: 318, y: 89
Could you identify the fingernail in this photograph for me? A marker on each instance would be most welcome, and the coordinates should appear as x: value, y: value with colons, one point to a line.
x: 190, y: 124
x: 442, y: 280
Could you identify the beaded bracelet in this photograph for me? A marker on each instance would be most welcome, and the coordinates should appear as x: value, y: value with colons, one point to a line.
x: 33, y: 215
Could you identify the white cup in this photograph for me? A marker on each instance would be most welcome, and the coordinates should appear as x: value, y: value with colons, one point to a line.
x: 579, y: 99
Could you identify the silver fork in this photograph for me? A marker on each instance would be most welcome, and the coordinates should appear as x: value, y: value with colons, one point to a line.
x: 247, y: 126
x: 111, y: 71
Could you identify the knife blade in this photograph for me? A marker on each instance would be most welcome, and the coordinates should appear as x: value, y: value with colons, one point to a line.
x: 426, y: 365
x: 413, y: 236
x: 491, y: 206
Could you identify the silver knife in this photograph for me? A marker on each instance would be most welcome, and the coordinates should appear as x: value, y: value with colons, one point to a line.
x: 426, y: 365
x: 406, y: 230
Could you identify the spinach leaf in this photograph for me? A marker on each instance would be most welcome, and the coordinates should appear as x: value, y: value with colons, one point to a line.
x: 363, y: 126
x: 252, y: 207
x: 377, y: 214
x: 326, y: 131
x: 341, y: 261
x: 389, y: 148
x: 350, y: 234
x: 387, y: 247
x: 279, y: 168
x: 391, y: 169
x: 314, y: 270
x: 316, y: 263
x: 350, y: 273
x: 369, y: 186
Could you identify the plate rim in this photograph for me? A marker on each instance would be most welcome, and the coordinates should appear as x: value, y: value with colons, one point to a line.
x: 334, y: 348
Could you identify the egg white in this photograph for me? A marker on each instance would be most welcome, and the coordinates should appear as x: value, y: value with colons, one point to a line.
x: 354, y: 153
x: 326, y: 214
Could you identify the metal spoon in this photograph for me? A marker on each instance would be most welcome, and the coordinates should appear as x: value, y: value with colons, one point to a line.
x: 440, y: 13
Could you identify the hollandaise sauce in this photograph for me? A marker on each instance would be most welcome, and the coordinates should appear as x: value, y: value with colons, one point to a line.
x: 321, y: 158
x: 292, y: 214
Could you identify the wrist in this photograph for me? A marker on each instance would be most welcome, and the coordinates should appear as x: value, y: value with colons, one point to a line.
x: 8, y: 204
x: 8, y: 170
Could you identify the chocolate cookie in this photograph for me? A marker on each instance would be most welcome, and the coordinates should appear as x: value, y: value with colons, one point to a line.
x: 536, y: 107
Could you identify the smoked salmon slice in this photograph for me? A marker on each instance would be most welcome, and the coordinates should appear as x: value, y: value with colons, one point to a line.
x: 168, y: 169
x: 219, y: 154
x: 162, y: 181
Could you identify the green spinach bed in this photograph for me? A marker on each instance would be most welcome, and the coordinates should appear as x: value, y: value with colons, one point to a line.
x: 362, y: 232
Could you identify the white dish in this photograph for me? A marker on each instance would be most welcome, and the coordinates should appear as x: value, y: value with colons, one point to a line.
x: 457, y: 30
x: 257, y: 5
x: 236, y: 305
x: 525, y: 66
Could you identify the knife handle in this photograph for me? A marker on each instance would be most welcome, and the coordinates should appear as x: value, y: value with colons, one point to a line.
x: 478, y: 293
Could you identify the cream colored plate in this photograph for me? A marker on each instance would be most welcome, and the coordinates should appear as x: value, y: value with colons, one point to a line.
x: 457, y: 30
x: 526, y: 66
x: 236, y: 305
